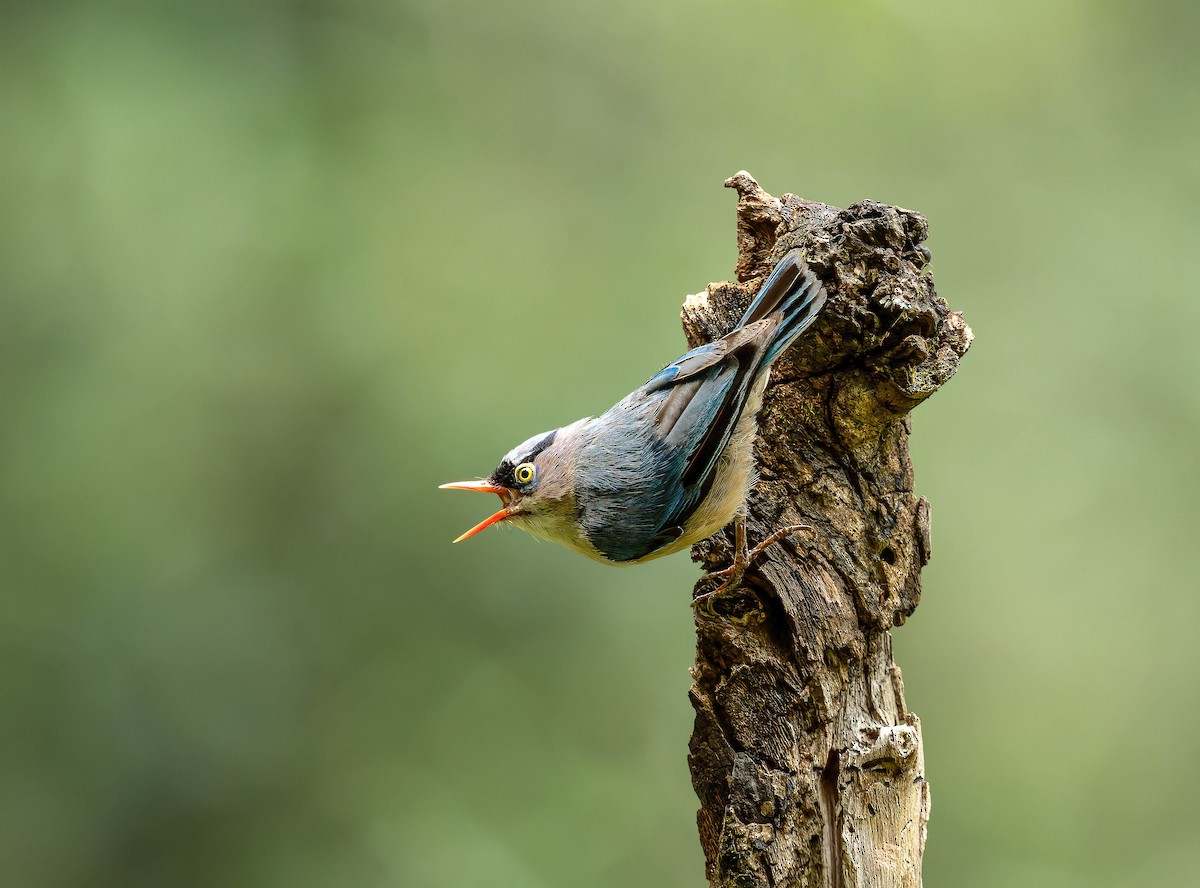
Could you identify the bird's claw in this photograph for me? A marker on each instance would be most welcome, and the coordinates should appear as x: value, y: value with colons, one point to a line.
x: 742, y: 558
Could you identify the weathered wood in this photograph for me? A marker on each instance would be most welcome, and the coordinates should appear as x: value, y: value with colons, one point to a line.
x: 807, y: 763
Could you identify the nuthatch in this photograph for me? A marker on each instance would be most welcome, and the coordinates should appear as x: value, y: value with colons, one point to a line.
x: 672, y: 463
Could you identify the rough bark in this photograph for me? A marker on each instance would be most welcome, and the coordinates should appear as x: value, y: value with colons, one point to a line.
x: 807, y: 763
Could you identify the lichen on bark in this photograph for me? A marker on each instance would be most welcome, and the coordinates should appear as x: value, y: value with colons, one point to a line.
x: 808, y: 766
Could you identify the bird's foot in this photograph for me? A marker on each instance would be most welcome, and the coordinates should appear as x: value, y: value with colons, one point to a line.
x: 742, y: 558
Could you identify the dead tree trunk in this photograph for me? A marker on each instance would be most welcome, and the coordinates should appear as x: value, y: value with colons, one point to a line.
x: 806, y: 761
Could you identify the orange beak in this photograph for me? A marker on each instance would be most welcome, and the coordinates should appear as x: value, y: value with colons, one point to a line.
x: 504, y: 493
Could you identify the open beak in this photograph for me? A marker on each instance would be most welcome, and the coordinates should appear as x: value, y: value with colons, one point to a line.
x: 504, y: 493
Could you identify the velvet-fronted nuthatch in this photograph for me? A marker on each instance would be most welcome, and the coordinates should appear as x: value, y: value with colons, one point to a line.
x: 672, y: 463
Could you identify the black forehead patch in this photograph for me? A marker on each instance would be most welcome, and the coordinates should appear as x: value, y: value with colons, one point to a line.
x: 503, y: 475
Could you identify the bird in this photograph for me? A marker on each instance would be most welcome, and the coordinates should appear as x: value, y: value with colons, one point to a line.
x: 670, y: 464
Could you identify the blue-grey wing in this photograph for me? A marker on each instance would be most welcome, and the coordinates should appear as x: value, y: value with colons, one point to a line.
x: 708, y: 386
x: 698, y: 415
x: 651, y: 459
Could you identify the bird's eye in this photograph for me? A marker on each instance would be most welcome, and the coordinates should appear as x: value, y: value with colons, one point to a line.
x: 525, y: 472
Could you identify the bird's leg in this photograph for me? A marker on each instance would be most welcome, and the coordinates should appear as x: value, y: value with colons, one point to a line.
x: 742, y: 558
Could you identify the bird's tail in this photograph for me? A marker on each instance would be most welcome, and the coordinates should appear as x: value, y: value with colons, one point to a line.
x: 792, y: 291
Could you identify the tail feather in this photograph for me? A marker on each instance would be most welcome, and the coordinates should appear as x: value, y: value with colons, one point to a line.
x: 793, y: 292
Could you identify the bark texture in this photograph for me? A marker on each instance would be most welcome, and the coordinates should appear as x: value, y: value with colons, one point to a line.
x: 807, y: 763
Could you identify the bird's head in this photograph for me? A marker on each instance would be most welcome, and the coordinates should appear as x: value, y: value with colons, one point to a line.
x: 535, y: 482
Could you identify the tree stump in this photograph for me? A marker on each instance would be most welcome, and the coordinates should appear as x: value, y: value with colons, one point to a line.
x: 807, y: 763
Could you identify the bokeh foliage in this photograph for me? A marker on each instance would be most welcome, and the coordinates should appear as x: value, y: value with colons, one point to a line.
x: 270, y: 271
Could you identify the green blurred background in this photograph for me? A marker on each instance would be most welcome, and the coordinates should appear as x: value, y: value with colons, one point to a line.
x: 271, y: 271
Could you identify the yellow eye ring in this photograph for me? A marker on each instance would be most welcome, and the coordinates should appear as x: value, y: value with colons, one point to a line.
x: 525, y: 472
